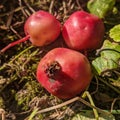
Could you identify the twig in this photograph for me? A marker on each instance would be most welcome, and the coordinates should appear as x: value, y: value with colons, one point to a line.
x: 2, y: 113
x: 23, y: 113
x: 96, y: 86
x: 15, y: 32
x: 58, y: 106
x: 24, y: 13
x: 72, y: 6
x: 69, y: 102
x: 8, y: 13
x: 112, y: 105
x: 69, y: 2
x: 118, y: 73
x: 28, y: 13
x: 79, y: 6
x: 105, y: 49
x: 10, y: 17
x: 109, y: 85
x: 51, y: 6
x: 64, y: 7
x: 32, y: 10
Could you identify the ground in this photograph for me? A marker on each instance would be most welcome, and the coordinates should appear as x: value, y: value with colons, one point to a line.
x: 21, y: 96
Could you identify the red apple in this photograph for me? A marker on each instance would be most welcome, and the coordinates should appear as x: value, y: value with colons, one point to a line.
x: 42, y: 27
x: 64, y: 72
x: 83, y: 31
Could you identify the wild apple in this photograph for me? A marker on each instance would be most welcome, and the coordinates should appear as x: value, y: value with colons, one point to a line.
x: 64, y: 72
x: 83, y: 31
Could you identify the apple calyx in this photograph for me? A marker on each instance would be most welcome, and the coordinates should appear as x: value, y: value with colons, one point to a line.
x: 52, y: 69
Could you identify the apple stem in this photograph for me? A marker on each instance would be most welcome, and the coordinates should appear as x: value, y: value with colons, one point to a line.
x: 15, y: 43
x: 52, y: 69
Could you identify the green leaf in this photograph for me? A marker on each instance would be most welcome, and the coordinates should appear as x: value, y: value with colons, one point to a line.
x: 100, y: 7
x: 89, y: 115
x: 111, y: 45
x: 109, y: 57
x: 115, y: 33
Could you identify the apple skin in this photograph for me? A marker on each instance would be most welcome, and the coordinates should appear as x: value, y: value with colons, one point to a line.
x: 83, y: 31
x: 42, y: 27
x: 71, y: 79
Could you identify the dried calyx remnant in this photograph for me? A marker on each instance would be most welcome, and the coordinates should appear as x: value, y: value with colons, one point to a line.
x: 52, y: 69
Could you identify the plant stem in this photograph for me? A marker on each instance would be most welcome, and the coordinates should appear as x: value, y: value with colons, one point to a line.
x: 92, y: 103
x: 15, y: 43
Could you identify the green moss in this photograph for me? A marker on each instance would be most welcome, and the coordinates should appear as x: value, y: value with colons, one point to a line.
x: 26, y: 94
